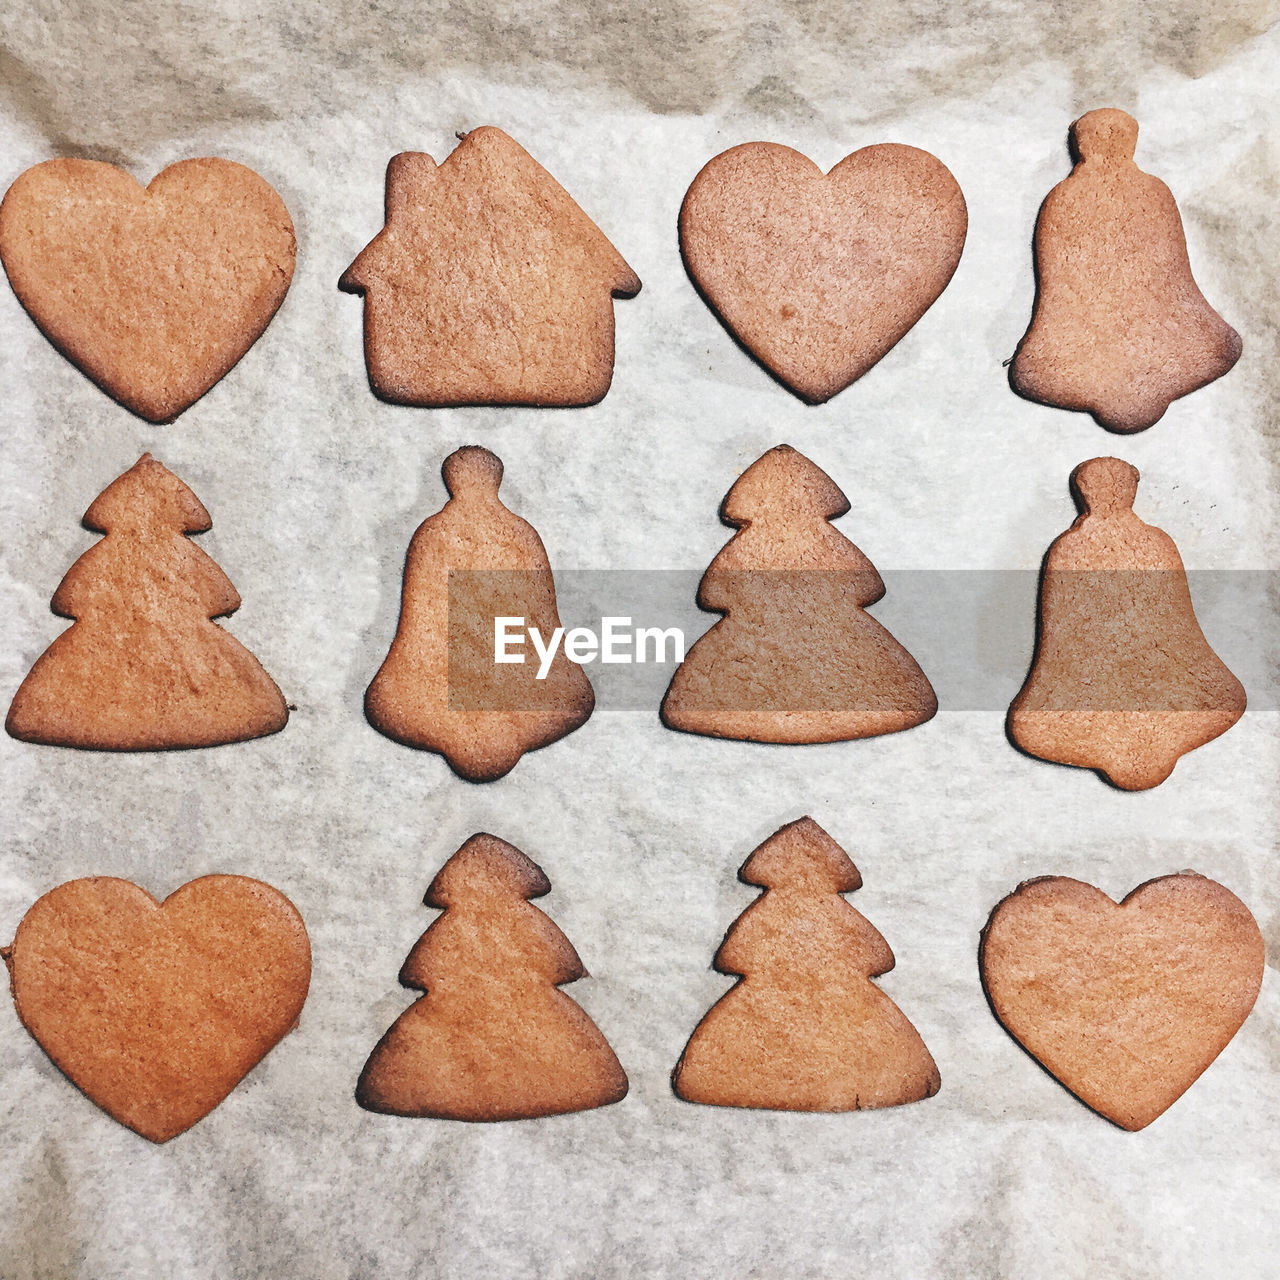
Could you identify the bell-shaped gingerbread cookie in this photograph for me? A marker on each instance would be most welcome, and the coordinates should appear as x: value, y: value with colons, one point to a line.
x: 1123, y: 680
x: 1120, y: 328
x: 441, y: 689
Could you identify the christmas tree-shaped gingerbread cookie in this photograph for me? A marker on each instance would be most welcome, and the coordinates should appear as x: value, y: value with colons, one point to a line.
x: 1123, y: 679
x: 805, y: 1029
x: 144, y: 667
x: 440, y: 688
x: 796, y: 658
x: 493, y: 1038
x: 1120, y: 328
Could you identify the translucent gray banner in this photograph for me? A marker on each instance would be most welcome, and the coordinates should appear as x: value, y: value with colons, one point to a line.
x: 973, y: 632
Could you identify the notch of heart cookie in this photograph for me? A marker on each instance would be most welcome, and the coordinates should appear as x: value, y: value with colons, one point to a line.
x: 157, y: 1011
x: 154, y: 293
x: 1126, y: 1004
x: 819, y: 275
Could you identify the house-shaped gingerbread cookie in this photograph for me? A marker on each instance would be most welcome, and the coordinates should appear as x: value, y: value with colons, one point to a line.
x: 488, y: 284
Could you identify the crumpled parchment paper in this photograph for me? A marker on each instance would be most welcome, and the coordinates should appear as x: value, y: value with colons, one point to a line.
x: 315, y: 488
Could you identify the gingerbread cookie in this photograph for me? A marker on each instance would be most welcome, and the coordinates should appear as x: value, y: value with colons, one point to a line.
x: 156, y: 1011
x: 818, y: 276
x: 440, y: 688
x: 796, y: 657
x: 1120, y: 328
x: 1123, y: 679
x: 143, y: 667
x: 487, y: 285
x: 1125, y: 1004
x: 805, y: 1029
x: 153, y: 292
x: 493, y: 1038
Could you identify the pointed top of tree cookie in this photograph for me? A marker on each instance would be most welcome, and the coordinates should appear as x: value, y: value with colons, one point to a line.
x: 484, y: 867
x: 783, y: 480
x: 148, y: 495
x: 801, y: 856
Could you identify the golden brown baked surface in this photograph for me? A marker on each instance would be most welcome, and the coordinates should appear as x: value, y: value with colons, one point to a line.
x: 144, y: 667
x: 1120, y: 328
x: 156, y: 1011
x: 493, y: 1038
x: 488, y: 284
x: 439, y: 688
x: 1123, y: 679
x: 819, y: 275
x: 154, y: 292
x: 796, y: 657
x: 1126, y: 1004
x: 805, y: 1029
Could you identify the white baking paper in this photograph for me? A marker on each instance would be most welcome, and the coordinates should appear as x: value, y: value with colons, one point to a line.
x: 315, y: 488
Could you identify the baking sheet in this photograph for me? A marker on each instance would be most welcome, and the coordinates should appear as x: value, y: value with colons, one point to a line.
x: 315, y: 488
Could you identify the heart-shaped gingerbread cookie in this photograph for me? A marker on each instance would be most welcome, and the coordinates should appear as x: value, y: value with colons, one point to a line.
x: 1125, y: 1003
x: 153, y: 292
x: 819, y: 275
x: 158, y: 1010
